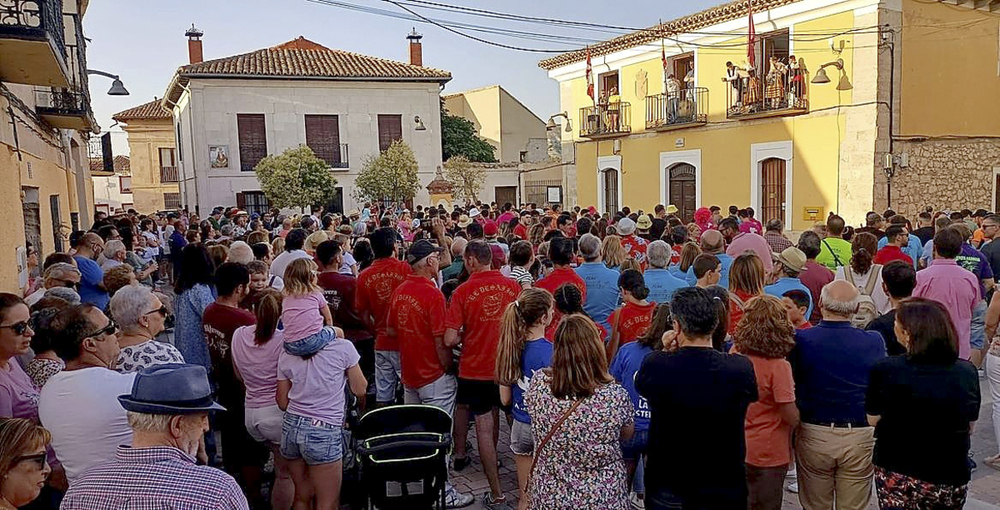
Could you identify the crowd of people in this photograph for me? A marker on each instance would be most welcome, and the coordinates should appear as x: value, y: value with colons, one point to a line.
x: 639, y: 361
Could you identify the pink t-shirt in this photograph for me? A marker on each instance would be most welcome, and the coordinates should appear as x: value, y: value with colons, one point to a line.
x: 300, y: 315
x: 18, y: 395
x: 318, y: 382
x: 258, y: 366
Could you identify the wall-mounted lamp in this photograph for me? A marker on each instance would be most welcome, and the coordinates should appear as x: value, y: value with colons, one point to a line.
x: 552, y: 123
x: 117, y: 88
x: 419, y: 123
x: 821, y: 77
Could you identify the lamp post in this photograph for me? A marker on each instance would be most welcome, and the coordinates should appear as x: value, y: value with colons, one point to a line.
x: 117, y: 88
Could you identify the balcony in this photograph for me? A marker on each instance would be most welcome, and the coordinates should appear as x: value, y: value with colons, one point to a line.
x: 65, y: 108
x: 606, y: 120
x: 335, y: 154
x: 31, y: 43
x: 686, y: 108
x: 750, y: 98
x: 169, y: 174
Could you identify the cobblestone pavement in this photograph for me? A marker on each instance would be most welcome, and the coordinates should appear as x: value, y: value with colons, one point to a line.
x: 984, y: 491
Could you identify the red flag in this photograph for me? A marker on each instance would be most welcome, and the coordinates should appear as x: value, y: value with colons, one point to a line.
x: 663, y: 56
x: 590, y: 77
x: 751, y: 39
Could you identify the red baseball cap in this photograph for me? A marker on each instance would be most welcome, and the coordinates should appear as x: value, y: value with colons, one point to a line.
x: 490, y: 228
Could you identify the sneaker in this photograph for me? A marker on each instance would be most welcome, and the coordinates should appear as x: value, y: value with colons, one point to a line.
x: 452, y: 499
x: 460, y: 463
x: 490, y: 502
x: 793, y: 487
x: 637, y: 502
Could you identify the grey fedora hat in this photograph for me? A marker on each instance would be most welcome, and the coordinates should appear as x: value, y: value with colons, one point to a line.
x: 173, y: 388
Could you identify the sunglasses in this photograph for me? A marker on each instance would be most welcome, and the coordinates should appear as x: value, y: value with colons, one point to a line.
x: 162, y: 310
x: 70, y: 284
x: 38, y: 458
x: 18, y: 327
x: 110, y: 329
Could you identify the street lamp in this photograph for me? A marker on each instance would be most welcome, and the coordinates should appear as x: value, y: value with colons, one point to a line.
x: 117, y: 88
x: 552, y: 123
x: 821, y: 77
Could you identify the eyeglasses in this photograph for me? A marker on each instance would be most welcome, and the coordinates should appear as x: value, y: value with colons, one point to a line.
x: 19, y: 328
x: 38, y: 458
x: 110, y: 329
x: 68, y: 283
x: 162, y: 310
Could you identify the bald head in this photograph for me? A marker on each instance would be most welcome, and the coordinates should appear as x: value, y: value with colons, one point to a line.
x: 458, y: 246
x: 712, y: 241
x: 91, y: 245
x: 840, y: 300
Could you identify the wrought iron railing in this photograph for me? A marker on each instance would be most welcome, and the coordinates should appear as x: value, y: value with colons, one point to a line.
x: 686, y: 106
x: 609, y: 119
x: 335, y: 155
x: 62, y: 102
x: 31, y: 18
x: 750, y: 96
x: 169, y: 174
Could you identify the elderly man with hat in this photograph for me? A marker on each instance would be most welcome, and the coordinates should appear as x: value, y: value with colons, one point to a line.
x: 168, y: 411
x: 634, y: 245
x: 788, y: 265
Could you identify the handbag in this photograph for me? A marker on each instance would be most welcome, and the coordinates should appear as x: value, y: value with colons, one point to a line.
x: 545, y: 441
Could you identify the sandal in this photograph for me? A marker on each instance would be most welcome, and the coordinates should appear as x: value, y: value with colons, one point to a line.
x: 993, y: 462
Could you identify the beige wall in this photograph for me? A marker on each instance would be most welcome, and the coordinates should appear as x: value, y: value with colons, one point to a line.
x: 499, y: 118
x: 517, y: 125
x: 145, y: 138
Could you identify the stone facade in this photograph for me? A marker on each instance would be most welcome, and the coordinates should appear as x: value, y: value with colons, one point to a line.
x: 946, y: 174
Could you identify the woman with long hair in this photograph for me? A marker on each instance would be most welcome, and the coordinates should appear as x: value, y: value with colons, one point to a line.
x: 689, y: 253
x: 579, y: 416
x: 522, y: 351
x: 721, y: 341
x: 623, y: 368
x: 863, y: 273
x: 536, y: 234
x: 746, y: 281
x: 765, y: 336
x: 923, y: 466
x: 23, y: 463
x: 255, y: 354
x: 612, y: 252
x: 195, y: 291
x: 630, y: 320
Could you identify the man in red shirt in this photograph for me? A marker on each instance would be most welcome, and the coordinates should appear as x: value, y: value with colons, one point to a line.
x: 561, y: 253
x: 240, y: 453
x: 521, y: 230
x: 340, y: 291
x: 897, y: 238
x: 476, y: 308
x: 375, y: 287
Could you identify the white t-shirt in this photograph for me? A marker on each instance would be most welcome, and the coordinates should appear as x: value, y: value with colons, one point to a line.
x: 281, y: 262
x: 81, y: 410
x: 879, y: 297
x: 345, y: 267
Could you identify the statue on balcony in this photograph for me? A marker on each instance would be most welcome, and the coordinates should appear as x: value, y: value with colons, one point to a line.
x: 797, y: 79
x: 776, y: 75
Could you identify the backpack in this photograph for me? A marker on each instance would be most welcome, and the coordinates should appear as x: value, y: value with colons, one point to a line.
x: 867, y: 311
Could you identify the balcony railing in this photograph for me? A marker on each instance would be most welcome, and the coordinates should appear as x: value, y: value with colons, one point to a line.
x: 169, y: 174
x: 676, y: 110
x: 35, y: 49
x: 606, y: 120
x: 335, y: 155
x: 781, y: 94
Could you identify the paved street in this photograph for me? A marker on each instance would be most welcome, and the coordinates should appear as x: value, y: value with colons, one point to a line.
x: 984, y: 492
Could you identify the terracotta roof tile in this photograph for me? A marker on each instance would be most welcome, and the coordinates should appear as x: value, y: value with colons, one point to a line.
x: 122, y: 166
x: 150, y: 110
x: 706, y: 18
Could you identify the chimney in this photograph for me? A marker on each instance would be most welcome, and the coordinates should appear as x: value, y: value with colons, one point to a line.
x: 416, y: 50
x: 194, y: 45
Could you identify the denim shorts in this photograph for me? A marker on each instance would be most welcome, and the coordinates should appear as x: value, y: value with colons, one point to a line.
x: 635, y: 447
x: 387, y: 376
x: 314, y: 441
x: 977, y: 336
x: 311, y: 344
x: 521, y: 440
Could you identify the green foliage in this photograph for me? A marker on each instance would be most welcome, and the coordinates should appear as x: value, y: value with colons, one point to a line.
x: 295, y: 178
x: 459, y: 138
x: 390, y: 176
x: 466, y: 178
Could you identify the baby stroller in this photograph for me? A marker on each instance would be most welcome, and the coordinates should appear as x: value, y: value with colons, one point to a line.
x: 402, y: 451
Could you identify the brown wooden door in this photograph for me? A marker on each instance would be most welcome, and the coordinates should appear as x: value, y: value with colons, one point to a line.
x: 610, y: 177
x: 772, y: 183
x: 683, y: 190
x: 505, y: 194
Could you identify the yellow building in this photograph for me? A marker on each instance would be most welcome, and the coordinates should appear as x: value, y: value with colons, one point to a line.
x: 44, y: 172
x: 792, y: 138
x: 152, y: 155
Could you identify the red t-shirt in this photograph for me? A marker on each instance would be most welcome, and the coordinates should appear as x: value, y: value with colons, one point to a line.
x: 477, y: 306
x: 557, y: 278
x: 375, y: 286
x: 767, y: 433
x: 418, y: 316
x: 634, y: 322
x: 521, y: 231
x: 805, y: 325
x: 218, y: 323
x: 889, y: 253
x: 736, y: 311
x: 635, y: 246
x: 675, y: 253
x: 339, y: 290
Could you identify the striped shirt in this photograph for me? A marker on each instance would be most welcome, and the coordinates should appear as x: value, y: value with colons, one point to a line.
x: 153, y: 479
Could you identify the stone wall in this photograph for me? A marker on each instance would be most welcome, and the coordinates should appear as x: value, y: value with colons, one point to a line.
x: 946, y: 174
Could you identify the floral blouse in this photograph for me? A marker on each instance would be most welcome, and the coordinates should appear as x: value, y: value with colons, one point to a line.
x: 581, y: 466
x: 41, y: 369
x: 137, y: 357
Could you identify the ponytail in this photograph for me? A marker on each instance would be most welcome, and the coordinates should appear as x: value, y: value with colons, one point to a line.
x: 531, y: 307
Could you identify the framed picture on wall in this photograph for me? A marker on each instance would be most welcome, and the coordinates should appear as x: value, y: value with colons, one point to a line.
x: 219, y: 156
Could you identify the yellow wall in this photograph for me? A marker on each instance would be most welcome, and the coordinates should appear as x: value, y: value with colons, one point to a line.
x: 517, y: 125
x: 948, y: 77
x: 145, y: 138
x: 482, y: 108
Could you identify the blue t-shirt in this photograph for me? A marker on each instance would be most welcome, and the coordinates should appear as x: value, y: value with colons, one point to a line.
x: 91, y: 277
x: 785, y: 284
x: 662, y: 285
x: 536, y: 356
x: 725, y: 262
x: 914, y: 247
x: 627, y: 361
x: 603, y: 293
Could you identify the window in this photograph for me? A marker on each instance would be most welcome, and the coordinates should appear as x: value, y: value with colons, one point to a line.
x: 680, y: 65
x: 323, y: 137
x: 253, y: 139
x: 168, y: 165
x: 171, y: 201
x: 390, y: 129
x: 125, y: 183
x: 252, y: 202
x: 609, y: 81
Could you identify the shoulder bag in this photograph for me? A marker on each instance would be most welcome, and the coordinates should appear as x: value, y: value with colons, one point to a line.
x: 541, y: 446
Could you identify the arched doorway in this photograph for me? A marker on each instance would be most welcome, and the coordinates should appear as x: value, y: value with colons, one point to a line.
x: 682, y: 190
x: 772, y: 189
x: 609, y: 190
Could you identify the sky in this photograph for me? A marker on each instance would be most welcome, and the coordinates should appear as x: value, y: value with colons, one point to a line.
x: 144, y: 42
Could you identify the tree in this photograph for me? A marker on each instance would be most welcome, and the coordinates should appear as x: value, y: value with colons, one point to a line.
x: 459, y: 138
x: 389, y: 177
x: 295, y: 178
x: 467, y: 179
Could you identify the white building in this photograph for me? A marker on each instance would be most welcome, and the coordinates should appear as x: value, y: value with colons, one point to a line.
x: 229, y: 113
x: 112, y: 190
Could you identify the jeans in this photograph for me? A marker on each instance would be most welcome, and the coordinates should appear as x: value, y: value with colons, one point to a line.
x: 977, y: 337
x: 311, y: 344
x: 387, y: 376
x: 766, y: 486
